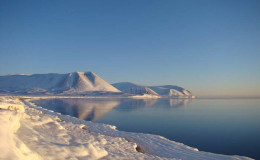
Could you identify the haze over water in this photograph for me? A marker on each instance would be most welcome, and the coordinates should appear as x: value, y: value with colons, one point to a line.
x: 226, y: 126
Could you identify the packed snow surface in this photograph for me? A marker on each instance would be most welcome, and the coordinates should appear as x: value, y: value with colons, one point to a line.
x: 165, y: 90
x: 32, y: 132
x: 66, y: 84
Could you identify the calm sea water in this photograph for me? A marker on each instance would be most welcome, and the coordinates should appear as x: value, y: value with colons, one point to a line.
x: 225, y: 126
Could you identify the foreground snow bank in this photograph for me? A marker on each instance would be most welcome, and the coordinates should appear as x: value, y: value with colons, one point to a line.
x: 11, y: 147
x: 44, y: 134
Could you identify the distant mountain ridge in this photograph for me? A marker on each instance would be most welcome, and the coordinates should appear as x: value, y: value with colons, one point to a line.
x: 82, y: 83
x: 164, y: 90
x: 53, y: 83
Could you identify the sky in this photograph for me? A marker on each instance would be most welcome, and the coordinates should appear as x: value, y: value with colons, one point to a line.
x: 210, y: 47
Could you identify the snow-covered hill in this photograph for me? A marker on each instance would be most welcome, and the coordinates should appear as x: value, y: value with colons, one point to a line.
x: 82, y: 83
x: 165, y: 90
x: 70, y: 83
x: 133, y: 88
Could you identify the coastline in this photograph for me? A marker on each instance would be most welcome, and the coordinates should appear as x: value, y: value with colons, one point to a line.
x: 135, y: 145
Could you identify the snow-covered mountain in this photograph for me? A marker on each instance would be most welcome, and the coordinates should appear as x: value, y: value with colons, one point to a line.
x: 133, y: 88
x: 52, y: 83
x: 172, y: 91
x: 165, y: 90
x: 82, y: 83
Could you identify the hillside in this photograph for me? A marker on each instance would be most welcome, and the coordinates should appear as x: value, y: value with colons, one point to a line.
x: 82, y: 83
x: 164, y: 90
x: 52, y: 83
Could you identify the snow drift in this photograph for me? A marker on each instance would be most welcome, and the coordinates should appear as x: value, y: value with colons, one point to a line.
x: 52, y: 83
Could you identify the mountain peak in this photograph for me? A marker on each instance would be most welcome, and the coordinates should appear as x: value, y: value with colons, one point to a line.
x: 70, y: 83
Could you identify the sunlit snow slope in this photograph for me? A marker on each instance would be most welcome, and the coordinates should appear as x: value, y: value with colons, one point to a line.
x: 165, y: 90
x: 52, y: 83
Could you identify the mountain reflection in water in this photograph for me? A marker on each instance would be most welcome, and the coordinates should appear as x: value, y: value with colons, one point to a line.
x: 93, y: 109
x: 202, y: 123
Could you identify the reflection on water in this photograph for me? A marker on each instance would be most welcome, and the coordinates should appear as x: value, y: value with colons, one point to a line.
x: 226, y: 126
x: 178, y: 102
x: 93, y: 109
x: 90, y: 110
x: 84, y: 109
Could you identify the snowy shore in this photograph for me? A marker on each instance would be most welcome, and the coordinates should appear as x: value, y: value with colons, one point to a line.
x: 32, y: 132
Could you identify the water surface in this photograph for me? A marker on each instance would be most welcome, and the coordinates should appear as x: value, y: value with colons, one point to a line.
x: 226, y: 126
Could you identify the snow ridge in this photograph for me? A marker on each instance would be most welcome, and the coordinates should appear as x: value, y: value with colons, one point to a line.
x: 164, y: 90
x: 52, y: 83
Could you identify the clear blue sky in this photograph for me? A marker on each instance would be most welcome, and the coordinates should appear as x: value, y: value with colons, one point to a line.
x: 211, y: 47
